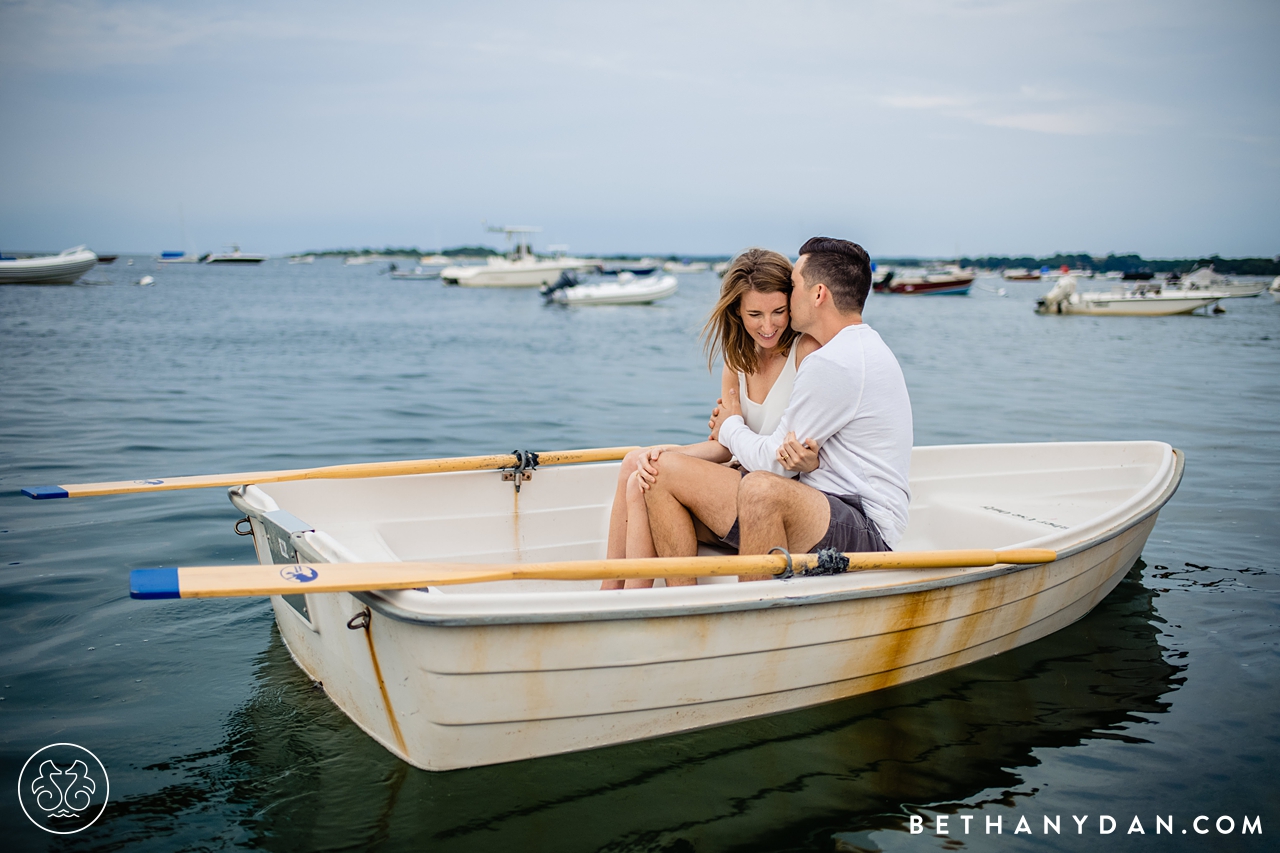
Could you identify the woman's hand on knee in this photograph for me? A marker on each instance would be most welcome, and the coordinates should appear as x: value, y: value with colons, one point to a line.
x: 647, y: 463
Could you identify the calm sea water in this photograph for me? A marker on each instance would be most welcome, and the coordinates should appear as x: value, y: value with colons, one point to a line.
x: 1163, y: 701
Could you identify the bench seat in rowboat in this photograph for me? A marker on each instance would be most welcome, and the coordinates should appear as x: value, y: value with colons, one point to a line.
x: 475, y: 674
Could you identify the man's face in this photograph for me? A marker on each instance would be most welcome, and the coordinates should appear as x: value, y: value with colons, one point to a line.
x: 801, y: 308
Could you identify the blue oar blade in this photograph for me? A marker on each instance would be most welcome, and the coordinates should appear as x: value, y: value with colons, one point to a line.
x: 45, y: 493
x: 154, y: 583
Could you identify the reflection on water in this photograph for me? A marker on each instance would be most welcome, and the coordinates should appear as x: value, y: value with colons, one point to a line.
x: 294, y: 774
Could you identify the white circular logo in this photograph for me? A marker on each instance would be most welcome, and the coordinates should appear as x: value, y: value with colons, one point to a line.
x: 63, y: 788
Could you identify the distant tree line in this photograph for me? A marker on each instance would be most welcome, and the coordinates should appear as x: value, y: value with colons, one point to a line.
x: 413, y: 251
x: 1132, y: 263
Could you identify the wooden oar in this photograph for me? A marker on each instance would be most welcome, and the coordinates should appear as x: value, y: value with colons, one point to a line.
x: 332, y: 472
x: 219, y: 581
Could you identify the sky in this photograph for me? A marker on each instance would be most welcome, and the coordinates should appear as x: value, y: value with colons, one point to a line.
x: 915, y: 127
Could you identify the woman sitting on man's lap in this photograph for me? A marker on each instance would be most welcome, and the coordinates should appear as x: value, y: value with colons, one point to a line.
x: 750, y: 328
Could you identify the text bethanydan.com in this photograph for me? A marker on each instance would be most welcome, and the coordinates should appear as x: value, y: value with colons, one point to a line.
x: 964, y: 824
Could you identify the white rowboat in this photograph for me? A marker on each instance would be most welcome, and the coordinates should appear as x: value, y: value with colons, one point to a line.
x: 63, y: 268
x: 469, y: 675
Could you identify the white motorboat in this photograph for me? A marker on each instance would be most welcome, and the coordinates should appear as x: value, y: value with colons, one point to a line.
x: 235, y: 256
x: 625, y: 289
x: 63, y: 268
x: 685, y: 266
x: 1146, y: 300
x: 520, y: 268
x: 1206, y: 279
x: 1274, y: 289
x: 421, y: 272
x: 466, y: 675
x: 302, y: 259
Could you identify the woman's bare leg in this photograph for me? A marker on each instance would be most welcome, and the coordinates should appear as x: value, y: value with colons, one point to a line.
x: 639, y: 540
x: 616, y: 545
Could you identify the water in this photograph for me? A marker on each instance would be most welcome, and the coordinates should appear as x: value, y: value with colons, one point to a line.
x: 1163, y: 701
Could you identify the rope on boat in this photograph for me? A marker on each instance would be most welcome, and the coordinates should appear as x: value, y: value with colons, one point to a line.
x: 830, y: 562
x: 526, y: 462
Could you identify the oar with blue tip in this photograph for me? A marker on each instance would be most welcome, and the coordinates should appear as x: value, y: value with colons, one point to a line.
x: 46, y: 493
x: 223, y: 581
x: 359, y: 470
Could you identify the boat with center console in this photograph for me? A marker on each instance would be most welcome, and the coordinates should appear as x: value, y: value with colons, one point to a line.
x: 520, y: 268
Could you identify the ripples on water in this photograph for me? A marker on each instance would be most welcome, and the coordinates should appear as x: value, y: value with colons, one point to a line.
x: 1161, y: 701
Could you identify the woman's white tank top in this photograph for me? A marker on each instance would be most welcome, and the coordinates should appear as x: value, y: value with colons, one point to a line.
x: 763, y: 418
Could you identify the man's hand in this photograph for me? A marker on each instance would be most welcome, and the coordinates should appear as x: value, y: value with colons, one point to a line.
x: 727, y: 408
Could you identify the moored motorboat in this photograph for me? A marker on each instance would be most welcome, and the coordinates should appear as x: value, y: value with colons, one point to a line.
x: 951, y: 281
x: 625, y: 289
x: 63, y: 268
x: 686, y: 266
x: 176, y: 257
x: 235, y: 256
x: 460, y: 676
x: 421, y: 272
x: 520, y: 268
x: 1207, y: 279
x: 1147, y: 300
x: 1021, y: 275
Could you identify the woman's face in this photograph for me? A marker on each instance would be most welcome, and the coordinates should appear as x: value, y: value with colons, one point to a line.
x: 765, y: 316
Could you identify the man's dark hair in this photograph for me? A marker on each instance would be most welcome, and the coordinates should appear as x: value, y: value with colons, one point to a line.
x: 842, y: 266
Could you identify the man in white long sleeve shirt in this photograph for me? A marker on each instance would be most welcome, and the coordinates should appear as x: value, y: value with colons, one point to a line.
x: 849, y: 397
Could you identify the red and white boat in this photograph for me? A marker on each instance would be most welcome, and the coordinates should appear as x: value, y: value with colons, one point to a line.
x: 952, y: 280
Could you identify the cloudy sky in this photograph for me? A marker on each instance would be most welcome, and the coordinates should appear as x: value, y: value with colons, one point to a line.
x: 923, y: 128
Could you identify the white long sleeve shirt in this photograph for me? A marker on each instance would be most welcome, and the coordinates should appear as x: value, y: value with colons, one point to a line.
x: 850, y: 395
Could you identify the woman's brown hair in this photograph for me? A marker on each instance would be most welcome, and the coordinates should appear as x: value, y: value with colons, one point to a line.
x: 755, y: 269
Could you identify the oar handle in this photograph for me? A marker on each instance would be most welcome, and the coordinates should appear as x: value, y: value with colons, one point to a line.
x: 354, y: 471
x: 219, y: 581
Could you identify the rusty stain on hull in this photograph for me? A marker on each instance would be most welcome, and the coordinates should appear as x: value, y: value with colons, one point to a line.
x: 515, y: 524
x: 386, y: 699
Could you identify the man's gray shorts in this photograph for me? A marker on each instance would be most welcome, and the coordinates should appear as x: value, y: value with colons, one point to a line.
x: 849, y: 530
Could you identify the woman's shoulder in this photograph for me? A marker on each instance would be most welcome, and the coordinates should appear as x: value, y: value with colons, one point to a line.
x: 805, y: 345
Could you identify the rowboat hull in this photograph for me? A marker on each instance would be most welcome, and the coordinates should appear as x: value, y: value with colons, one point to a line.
x: 461, y: 677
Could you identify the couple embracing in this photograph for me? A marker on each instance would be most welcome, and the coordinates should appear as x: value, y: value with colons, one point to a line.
x: 813, y: 410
